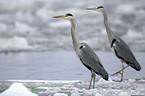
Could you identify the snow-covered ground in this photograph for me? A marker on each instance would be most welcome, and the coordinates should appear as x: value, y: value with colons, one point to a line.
x: 134, y: 86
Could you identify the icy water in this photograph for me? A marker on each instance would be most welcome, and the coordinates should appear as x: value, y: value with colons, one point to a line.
x: 61, y: 73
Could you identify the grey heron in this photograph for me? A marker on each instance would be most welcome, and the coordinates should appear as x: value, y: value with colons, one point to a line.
x: 118, y: 46
x: 85, y: 53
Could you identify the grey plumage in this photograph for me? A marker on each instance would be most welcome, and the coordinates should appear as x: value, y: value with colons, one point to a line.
x: 91, y: 60
x: 85, y: 53
x: 124, y: 53
x: 118, y: 46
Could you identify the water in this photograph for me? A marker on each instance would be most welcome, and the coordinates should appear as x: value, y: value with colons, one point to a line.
x: 27, y: 25
x: 58, y: 65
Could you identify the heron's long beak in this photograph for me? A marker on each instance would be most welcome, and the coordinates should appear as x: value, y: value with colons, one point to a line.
x: 90, y: 8
x: 62, y: 16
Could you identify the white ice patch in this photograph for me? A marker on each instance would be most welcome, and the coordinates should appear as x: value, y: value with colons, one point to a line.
x: 17, y: 89
x: 22, y: 27
x: 3, y: 27
x: 15, y: 5
x: 15, y: 43
x: 75, y: 93
x: 98, y: 94
x: 80, y: 88
x: 124, y: 94
x: 125, y: 9
x: 43, y: 13
x: 60, y: 94
x: 91, y: 92
x: 132, y: 34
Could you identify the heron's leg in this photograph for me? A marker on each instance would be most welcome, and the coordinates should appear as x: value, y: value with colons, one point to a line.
x: 91, y: 79
x: 94, y: 79
x: 122, y: 71
x: 119, y: 71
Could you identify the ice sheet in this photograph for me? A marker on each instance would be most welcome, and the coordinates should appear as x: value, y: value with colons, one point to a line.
x: 134, y: 86
x: 17, y: 89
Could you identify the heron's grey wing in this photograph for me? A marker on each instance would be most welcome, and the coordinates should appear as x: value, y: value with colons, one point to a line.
x: 123, y: 52
x: 91, y: 60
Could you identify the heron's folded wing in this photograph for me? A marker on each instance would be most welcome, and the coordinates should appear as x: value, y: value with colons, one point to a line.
x: 123, y: 52
x: 91, y: 60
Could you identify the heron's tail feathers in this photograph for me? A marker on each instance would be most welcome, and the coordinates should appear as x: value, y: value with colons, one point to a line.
x: 136, y: 66
x: 105, y: 75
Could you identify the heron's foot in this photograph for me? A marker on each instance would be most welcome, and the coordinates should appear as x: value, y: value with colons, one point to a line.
x: 119, y: 72
x: 90, y: 87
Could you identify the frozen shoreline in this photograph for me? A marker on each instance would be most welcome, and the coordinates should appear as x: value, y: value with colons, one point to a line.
x: 73, y: 88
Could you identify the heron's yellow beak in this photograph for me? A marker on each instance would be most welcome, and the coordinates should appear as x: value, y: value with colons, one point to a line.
x: 58, y: 16
x: 90, y: 8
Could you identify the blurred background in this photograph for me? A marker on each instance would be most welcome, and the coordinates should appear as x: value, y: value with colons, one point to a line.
x: 27, y: 25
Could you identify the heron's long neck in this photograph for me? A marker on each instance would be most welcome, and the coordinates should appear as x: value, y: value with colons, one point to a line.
x: 73, y: 34
x: 109, y: 32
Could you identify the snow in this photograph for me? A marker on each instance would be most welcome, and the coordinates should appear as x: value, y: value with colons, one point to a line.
x: 60, y: 94
x: 14, y: 44
x: 124, y: 94
x: 43, y: 13
x: 132, y: 34
x: 134, y: 86
x: 98, y: 94
x: 125, y: 9
x: 76, y: 93
x: 17, y: 89
x: 3, y: 27
x: 23, y: 27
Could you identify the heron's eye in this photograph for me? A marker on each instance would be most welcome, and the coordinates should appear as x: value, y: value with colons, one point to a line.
x: 68, y: 14
x: 100, y: 7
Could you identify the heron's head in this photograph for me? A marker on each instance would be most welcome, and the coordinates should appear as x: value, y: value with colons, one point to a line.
x: 99, y: 8
x: 67, y: 16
